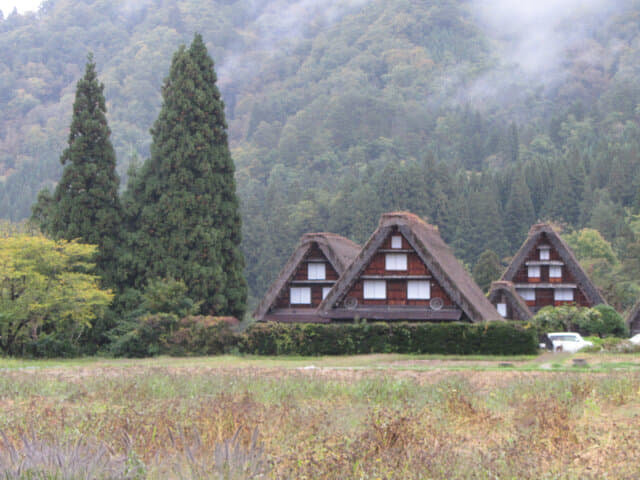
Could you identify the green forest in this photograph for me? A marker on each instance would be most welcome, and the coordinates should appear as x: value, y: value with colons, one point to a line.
x: 339, y: 111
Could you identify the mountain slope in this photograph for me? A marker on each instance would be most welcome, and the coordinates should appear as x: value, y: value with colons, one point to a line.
x: 340, y: 110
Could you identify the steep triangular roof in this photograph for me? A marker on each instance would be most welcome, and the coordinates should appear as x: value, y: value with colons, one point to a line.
x: 518, y: 305
x: 338, y: 250
x: 437, y: 256
x: 633, y: 320
x: 570, y: 261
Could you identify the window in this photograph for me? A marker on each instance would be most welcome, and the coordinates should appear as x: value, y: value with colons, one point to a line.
x: 325, y: 292
x: 502, y: 309
x: 418, y: 290
x: 555, y: 271
x: 300, y: 296
x: 563, y: 294
x: 396, y: 261
x: 396, y: 241
x: 533, y: 271
x: 316, y: 271
x: 375, y: 289
x: 528, y: 294
x: 544, y: 253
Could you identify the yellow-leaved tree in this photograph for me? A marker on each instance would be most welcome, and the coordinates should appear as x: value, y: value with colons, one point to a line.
x: 46, y: 288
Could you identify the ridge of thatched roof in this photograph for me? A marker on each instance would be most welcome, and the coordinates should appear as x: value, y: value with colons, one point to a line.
x: 518, y: 305
x: 340, y: 251
x: 565, y: 253
x: 432, y: 250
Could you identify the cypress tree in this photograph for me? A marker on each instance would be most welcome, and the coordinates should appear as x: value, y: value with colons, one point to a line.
x: 183, y: 211
x: 85, y: 204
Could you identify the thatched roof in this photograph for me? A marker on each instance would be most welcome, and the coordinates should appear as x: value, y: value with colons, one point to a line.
x: 515, y: 301
x: 570, y: 261
x: 437, y: 256
x: 338, y: 250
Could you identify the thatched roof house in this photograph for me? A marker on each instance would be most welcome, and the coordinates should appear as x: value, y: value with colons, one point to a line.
x: 406, y: 272
x: 313, y: 268
x: 545, y: 272
x: 509, y: 304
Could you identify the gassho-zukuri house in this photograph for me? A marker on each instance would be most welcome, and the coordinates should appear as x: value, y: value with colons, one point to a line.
x: 544, y: 272
x: 405, y: 272
x: 315, y: 266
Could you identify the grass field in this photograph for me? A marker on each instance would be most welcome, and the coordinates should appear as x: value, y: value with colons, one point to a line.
x: 364, y: 417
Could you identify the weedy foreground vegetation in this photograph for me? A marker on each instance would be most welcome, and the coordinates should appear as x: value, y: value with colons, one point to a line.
x: 369, y: 417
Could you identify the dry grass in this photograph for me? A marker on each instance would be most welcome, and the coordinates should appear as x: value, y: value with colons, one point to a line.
x: 197, y: 420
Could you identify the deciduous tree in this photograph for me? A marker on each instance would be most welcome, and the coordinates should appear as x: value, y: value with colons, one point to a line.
x: 46, y: 286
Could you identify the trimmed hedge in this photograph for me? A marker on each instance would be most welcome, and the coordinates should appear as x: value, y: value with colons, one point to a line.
x: 166, y: 335
x: 495, y: 338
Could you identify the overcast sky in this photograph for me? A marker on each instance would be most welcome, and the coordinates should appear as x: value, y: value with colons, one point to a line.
x: 23, y: 5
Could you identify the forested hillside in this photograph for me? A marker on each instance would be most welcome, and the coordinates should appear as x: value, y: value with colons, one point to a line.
x: 461, y: 111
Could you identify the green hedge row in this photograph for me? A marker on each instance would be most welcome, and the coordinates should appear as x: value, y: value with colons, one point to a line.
x: 165, y: 334
x: 496, y: 338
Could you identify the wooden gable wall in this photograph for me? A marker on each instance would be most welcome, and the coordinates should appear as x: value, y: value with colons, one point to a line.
x: 396, y: 280
x: 506, y: 298
x: 545, y: 296
x: 300, y: 279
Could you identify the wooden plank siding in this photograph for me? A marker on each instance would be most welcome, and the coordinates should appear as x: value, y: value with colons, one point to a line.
x: 396, y: 280
x: 314, y: 255
x: 301, y: 279
x: 544, y: 296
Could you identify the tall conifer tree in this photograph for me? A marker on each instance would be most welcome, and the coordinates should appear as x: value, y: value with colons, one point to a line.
x: 519, y: 214
x: 85, y: 204
x: 183, y: 210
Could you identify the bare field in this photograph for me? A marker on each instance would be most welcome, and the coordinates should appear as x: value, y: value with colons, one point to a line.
x: 365, y: 417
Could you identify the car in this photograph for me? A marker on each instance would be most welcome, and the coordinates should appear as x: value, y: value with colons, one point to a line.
x: 635, y: 339
x: 570, y: 342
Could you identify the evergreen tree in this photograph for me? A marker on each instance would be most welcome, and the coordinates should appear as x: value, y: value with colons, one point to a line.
x: 518, y: 216
x: 577, y: 181
x: 558, y: 205
x: 607, y: 217
x: 487, y: 269
x: 486, y: 220
x: 183, y: 211
x: 463, y: 229
x: 514, y: 144
x: 539, y: 176
x: 85, y: 204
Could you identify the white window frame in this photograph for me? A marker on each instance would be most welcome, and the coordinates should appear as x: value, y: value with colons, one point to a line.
x: 545, y: 254
x: 563, y: 295
x: 502, y: 309
x: 374, y: 290
x: 300, y: 295
x: 316, y: 271
x: 555, y: 271
x: 418, y: 289
x: 325, y: 292
x: 532, y: 270
x: 396, y: 261
x: 527, y: 294
x: 396, y: 241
